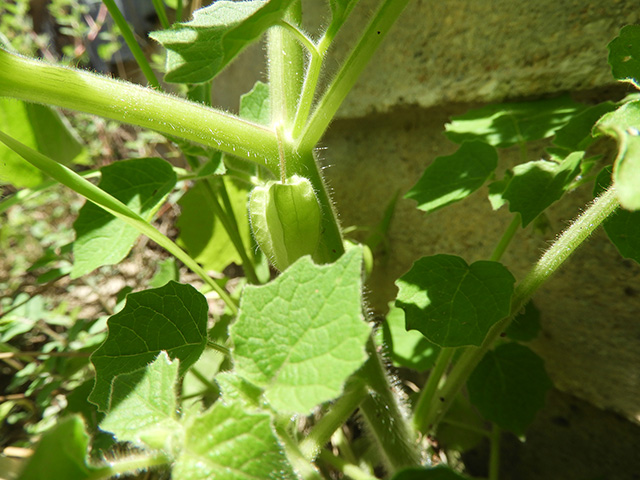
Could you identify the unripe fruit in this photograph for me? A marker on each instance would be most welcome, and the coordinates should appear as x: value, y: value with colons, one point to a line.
x: 285, y: 220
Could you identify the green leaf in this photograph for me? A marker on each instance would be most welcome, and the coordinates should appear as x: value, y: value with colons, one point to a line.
x: 624, y: 125
x: 172, y: 318
x: 61, y: 453
x: 623, y: 226
x: 526, y: 325
x: 143, y: 406
x: 509, y: 386
x: 577, y: 134
x: 102, y: 239
x: 239, y: 390
x: 406, y: 348
x: 624, y: 55
x: 231, y: 443
x: 452, y: 303
x: 40, y: 128
x: 255, y: 105
x: 167, y: 271
x: 497, y: 188
x: 440, y: 472
x: 506, y: 124
x: 451, y: 178
x: 538, y: 184
x: 202, y: 234
x: 198, y: 50
x: 300, y: 336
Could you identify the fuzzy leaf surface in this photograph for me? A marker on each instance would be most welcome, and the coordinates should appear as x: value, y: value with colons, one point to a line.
x: 39, y: 128
x: 453, y: 177
x: 143, y: 406
x: 61, y: 453
x: 538, y: 184
x: 622, y: 227
x: 200, y: 49
x: 506, y: 124
x: 454, y: 304
x: 624, y: 55
x: 300, y: 336
x: 509, y: 386
x: 172, y: 318
x: 624, y: 125
x: 229, y: 442
x: 102, y: 239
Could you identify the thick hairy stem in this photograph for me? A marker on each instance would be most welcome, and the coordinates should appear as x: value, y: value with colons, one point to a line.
x: 39, y: 82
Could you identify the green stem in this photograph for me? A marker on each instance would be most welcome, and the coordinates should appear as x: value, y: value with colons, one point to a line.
x: 212, y: 387
x: 301, y: 465
x: 179, y: 11
x: 427, y: 399
x: 39, y: 82
x: 219, y: 348
x: 308, y: 92
x: 298, y: 35
x: 506, y: 238
x: 339, y: 413
x: 130, y: 464
x: 549, y: 263
x: 227, y: 219
x: 494, y: 456
x: 389, y: 429
x: 131, y: 42
x: 114, y: 206
x: 348, y: 470
x: 158, y: 5
x: 285, y: 70
x: 247, y: 262
x: 349, y: 73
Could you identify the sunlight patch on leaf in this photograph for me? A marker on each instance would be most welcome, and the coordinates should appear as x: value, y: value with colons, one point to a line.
x: 454, y: 304
x: 172, y: 318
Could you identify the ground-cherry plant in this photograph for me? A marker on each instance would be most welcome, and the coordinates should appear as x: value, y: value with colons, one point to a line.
x: 293, y: 375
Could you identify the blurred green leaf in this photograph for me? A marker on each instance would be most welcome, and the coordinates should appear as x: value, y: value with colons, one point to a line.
x: 200, y: 49
x: 39, y: 128
x: 624, y: 55
x: 506, y: 124
x: 537, y: 185
x: 202, y: 234
x: 526, y: 325
x: 300, y: 336
x: 166, y: 271
x: 172, y: 318
x: 623, y: 124
x: 102, y: 239
x: 62, y: 453
x: 577, y: 134
x: 623, y: 226
x: 453, y: 177
x: 406, y: 348
x: 452, y: 303
x: 509, y: 386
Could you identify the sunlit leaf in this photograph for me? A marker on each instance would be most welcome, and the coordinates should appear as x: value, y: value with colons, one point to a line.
x: 102, y: 239
x: 624, y: 55
x: 172, y: 318
x: 300, y: 336
x: 454, y: 304
x: 198, y: 50
x: 453, y: 177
